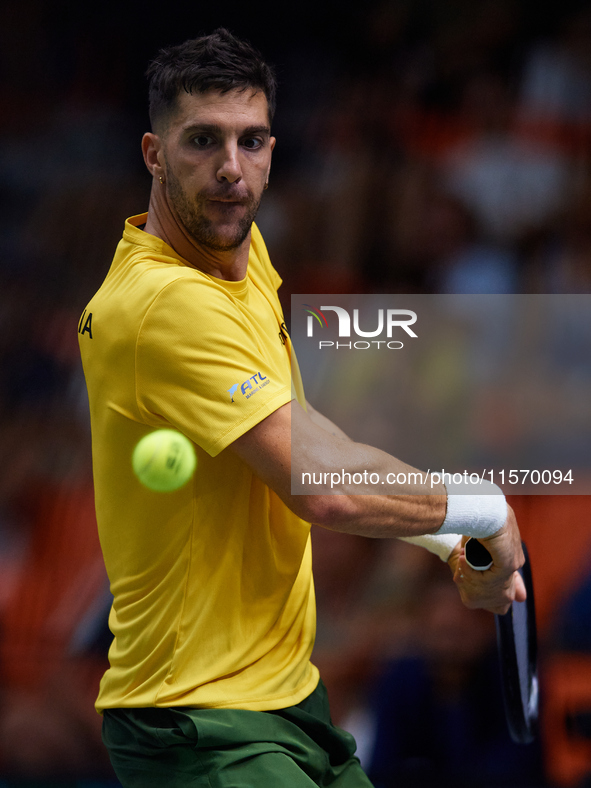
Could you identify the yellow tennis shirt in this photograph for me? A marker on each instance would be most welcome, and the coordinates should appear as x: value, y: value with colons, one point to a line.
x: 212, y: 584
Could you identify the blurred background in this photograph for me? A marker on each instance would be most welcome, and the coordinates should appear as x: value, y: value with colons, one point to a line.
x: 423, y: 147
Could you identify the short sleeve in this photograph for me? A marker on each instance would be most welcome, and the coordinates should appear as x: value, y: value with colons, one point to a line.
x: 202, y: 366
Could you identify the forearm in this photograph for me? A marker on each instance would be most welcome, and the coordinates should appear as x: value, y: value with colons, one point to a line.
x: 442, y: 545
x: 347, y: 486
x: 326, y: 424
x: 364, y: 490
x: 289, y: 443
x: 492, y: 591
x: 483, y: 516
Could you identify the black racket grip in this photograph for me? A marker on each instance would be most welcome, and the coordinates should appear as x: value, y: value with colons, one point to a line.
x: 477, y: 556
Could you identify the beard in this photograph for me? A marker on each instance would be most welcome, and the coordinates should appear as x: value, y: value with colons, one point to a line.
x: 204, y: 231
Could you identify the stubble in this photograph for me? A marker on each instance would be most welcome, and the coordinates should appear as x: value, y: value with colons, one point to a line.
x: 192, y: 213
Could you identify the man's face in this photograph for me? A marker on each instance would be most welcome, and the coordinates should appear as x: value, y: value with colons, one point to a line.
x: 217, y: 154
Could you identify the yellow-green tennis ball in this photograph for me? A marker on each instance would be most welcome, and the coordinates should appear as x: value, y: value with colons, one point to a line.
x: 164, y: 460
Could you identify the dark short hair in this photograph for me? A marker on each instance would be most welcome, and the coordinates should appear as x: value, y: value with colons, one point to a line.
x: 219, y: 61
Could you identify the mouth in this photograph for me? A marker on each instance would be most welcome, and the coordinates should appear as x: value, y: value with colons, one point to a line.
x: 229, y: 204
x: 227, y: 207
x: 229, y: 200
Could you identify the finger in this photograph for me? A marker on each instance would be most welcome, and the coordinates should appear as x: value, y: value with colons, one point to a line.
x: 520, y: 592
x: 513, y: 591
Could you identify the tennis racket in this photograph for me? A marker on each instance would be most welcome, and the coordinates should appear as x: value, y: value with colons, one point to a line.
x: 517, y: 647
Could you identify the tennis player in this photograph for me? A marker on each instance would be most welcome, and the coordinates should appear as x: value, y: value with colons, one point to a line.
x: 210, y: 680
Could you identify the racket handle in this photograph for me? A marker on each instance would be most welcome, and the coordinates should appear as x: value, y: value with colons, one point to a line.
x: 477, y: 556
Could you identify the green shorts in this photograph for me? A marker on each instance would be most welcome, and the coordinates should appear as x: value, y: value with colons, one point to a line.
x: 297, y: 747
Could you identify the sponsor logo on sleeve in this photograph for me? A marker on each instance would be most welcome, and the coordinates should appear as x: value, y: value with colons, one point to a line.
x: 249, y: 387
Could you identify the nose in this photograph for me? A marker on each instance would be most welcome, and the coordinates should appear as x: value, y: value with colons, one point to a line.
x: 229, y: 169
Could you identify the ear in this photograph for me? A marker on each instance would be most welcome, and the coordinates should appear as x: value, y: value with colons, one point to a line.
x: 154, y: 155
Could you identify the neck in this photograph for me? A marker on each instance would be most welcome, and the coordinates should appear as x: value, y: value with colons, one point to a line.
x: 164, y: 223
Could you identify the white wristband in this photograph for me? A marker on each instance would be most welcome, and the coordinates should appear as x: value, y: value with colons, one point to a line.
x: 479, y: 515
x: 442, y: 544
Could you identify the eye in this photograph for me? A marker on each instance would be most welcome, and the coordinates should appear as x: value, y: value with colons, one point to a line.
x: 252, y: 143
x: 202, y: 140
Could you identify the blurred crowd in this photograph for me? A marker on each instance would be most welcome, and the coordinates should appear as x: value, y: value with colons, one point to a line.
x: 452, y: 157
x: 423, y: 147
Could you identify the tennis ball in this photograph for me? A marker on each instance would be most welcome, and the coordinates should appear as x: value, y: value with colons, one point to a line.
x: 164, y: 460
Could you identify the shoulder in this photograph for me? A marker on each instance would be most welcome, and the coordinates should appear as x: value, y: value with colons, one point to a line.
x: 190, y: 299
